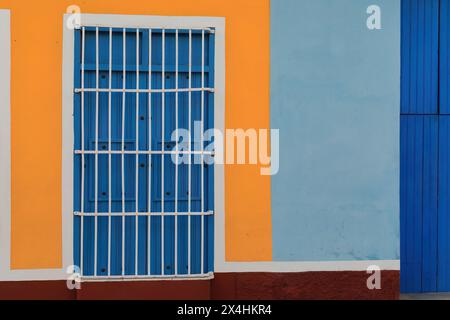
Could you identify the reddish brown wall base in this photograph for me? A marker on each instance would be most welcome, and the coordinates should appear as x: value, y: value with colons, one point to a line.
x: 225, y: 286
x: 303, y: 286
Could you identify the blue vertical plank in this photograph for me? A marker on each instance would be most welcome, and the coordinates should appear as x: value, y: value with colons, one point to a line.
x: 443, y: 229
x: 419, y: 202
x: 430, y: 203
x: 404, y: 156
x: 411, y: 202
x: 420, y: 57
x: 143, y: 169
x: 183, y: 123
x: 156, y: 104
x: 116, y: 160
x: 89, y: 130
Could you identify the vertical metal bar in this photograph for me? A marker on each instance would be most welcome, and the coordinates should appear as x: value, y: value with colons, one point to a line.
x: 137, y: 157
x: 109, y: 155
x: 176, y: 149
x: 201, y: 156
x: 83, y: 31
x: 162, y: 146
x: 189, y: 153
x: 123, y: 148
x: 96, y: 150
x: 149, y: 205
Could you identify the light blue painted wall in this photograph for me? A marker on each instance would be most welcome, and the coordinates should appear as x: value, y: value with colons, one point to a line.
x: 335, y: 96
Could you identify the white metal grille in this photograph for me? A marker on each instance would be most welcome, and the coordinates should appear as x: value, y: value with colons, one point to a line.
x: 110, y: 152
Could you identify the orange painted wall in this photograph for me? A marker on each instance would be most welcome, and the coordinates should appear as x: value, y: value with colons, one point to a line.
x: 36, y: 235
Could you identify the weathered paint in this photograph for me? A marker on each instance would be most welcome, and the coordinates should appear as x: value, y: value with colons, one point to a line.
x: 335, y: 97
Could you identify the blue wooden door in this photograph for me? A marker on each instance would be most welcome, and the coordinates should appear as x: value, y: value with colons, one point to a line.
x: 425, y: 147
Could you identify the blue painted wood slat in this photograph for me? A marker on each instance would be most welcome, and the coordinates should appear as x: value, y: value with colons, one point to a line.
x: 443, y: 226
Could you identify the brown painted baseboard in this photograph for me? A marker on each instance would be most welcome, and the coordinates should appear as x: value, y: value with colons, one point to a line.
x: 303, y: 286
x: 224, y: 286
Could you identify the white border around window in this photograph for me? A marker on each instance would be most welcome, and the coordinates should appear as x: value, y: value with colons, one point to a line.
x: 137, y: 21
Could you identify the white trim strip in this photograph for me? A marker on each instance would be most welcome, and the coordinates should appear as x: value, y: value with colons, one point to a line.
x: 83, y: 44
x: 145, y: 214
x: 110, y: 155
x: 67, y: 146
x: 202, y: 164
x: 5, y: 140
x: 97, y: 115
x: 163, y: 130
x: 150, y: 128
x: 154, y: 22
x: 308, y: 266
x: 136, y: 232
x: 124, y: 57
x: 190, y: 150
x: 176, y: 149
x: 206, y: 276
x: 78, y: 90
x: 143, y: 152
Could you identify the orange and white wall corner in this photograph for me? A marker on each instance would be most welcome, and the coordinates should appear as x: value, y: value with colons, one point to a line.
x: 311, y: 69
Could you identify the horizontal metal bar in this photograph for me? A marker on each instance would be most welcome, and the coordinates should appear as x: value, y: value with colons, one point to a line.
x: 143, y: 152
x: 155, y: 30
x: 206, y: 276
x: 79, y: 90
x: 144, y: 68
x: 142, y: 214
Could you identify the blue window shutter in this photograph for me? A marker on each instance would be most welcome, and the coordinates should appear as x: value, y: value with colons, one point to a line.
x: 144, y: 160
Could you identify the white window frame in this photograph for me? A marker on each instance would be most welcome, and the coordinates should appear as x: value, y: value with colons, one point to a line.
x: 142, y: 22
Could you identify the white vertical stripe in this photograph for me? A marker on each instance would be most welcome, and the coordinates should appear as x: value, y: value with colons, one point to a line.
x: 162, y: 146
x: 202, y: 200
x: 109, y: 156
x: 5, y: 141
x: 124, y: 56
x: 83, y: 43
x: 97, y: 115
x: 149, y: 209
x: 137, y: 157
x: 189, y: 146
x: 176, y: 146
